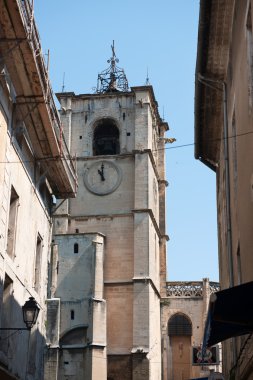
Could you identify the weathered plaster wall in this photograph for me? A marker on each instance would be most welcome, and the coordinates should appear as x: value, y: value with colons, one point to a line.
x: 31, y: 220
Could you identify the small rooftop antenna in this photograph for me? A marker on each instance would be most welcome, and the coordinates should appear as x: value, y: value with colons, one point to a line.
x: 163, y: 114
x: 114, y: 78
x: 63, y: 83
x: 48, y: 59
x: 147, y: 83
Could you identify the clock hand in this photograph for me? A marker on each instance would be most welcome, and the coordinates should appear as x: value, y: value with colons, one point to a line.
x: 101, y: 173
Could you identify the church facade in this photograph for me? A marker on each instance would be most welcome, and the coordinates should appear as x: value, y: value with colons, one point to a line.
x: 109, y: 250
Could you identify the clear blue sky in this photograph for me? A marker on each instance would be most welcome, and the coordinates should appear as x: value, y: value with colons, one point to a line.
x: 160, y: 35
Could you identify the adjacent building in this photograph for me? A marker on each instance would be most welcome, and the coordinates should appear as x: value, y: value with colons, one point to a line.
x: 224, y: 142
x: 35, y: 167
x: 109, y: 243
x: 183, y: 314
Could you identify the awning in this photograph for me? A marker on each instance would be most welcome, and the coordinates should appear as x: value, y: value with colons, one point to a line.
x: 230, y: 314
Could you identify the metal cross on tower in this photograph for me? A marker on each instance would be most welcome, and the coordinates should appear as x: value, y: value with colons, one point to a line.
x: 112, y: 79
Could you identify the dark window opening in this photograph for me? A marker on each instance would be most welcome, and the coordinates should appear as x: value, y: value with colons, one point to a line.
x: 106, y: 138
x: 38, y: 259
x: 77, y: 230
x: 76, y: 248
x: 124, y: 115
x: 179, y: 324
x: 72, y: 314
x: 128, y: 134
x: 13, y: 210
x: 19, y: 133
x: 44, y: 191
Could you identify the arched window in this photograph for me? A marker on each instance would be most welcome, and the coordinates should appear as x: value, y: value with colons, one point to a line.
x: 76, y: 248
x: 179, y: 324
x: 106, y: 138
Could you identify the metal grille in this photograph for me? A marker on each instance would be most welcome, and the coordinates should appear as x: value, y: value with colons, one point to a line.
x: 179, y: 325
x: 214, y: 287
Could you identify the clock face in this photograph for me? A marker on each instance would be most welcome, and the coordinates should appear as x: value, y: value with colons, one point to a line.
x: 102, y: 177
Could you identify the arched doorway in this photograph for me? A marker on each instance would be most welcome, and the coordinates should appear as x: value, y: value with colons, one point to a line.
x: 180, y: 332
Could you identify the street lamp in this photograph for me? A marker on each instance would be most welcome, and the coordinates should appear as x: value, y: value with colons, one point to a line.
x: 30, y: 312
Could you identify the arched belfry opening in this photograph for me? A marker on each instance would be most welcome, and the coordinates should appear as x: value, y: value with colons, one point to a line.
x: 106, y: 138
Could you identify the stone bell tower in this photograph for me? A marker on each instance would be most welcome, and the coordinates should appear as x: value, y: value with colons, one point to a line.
x: 109, y: 242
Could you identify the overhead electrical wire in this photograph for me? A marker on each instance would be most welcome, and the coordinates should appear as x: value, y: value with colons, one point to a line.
x: 153, y: 150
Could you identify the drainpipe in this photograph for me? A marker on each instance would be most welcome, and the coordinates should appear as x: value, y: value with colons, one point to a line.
x: 227, y: 187
x: 228, y: 212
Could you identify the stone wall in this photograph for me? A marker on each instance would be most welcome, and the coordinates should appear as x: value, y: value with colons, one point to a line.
x: 128, y: 216
x: 77, y: 317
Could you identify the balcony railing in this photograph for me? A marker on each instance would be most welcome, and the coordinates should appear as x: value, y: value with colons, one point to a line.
x: 27, y: 15
x: 189, y: 289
